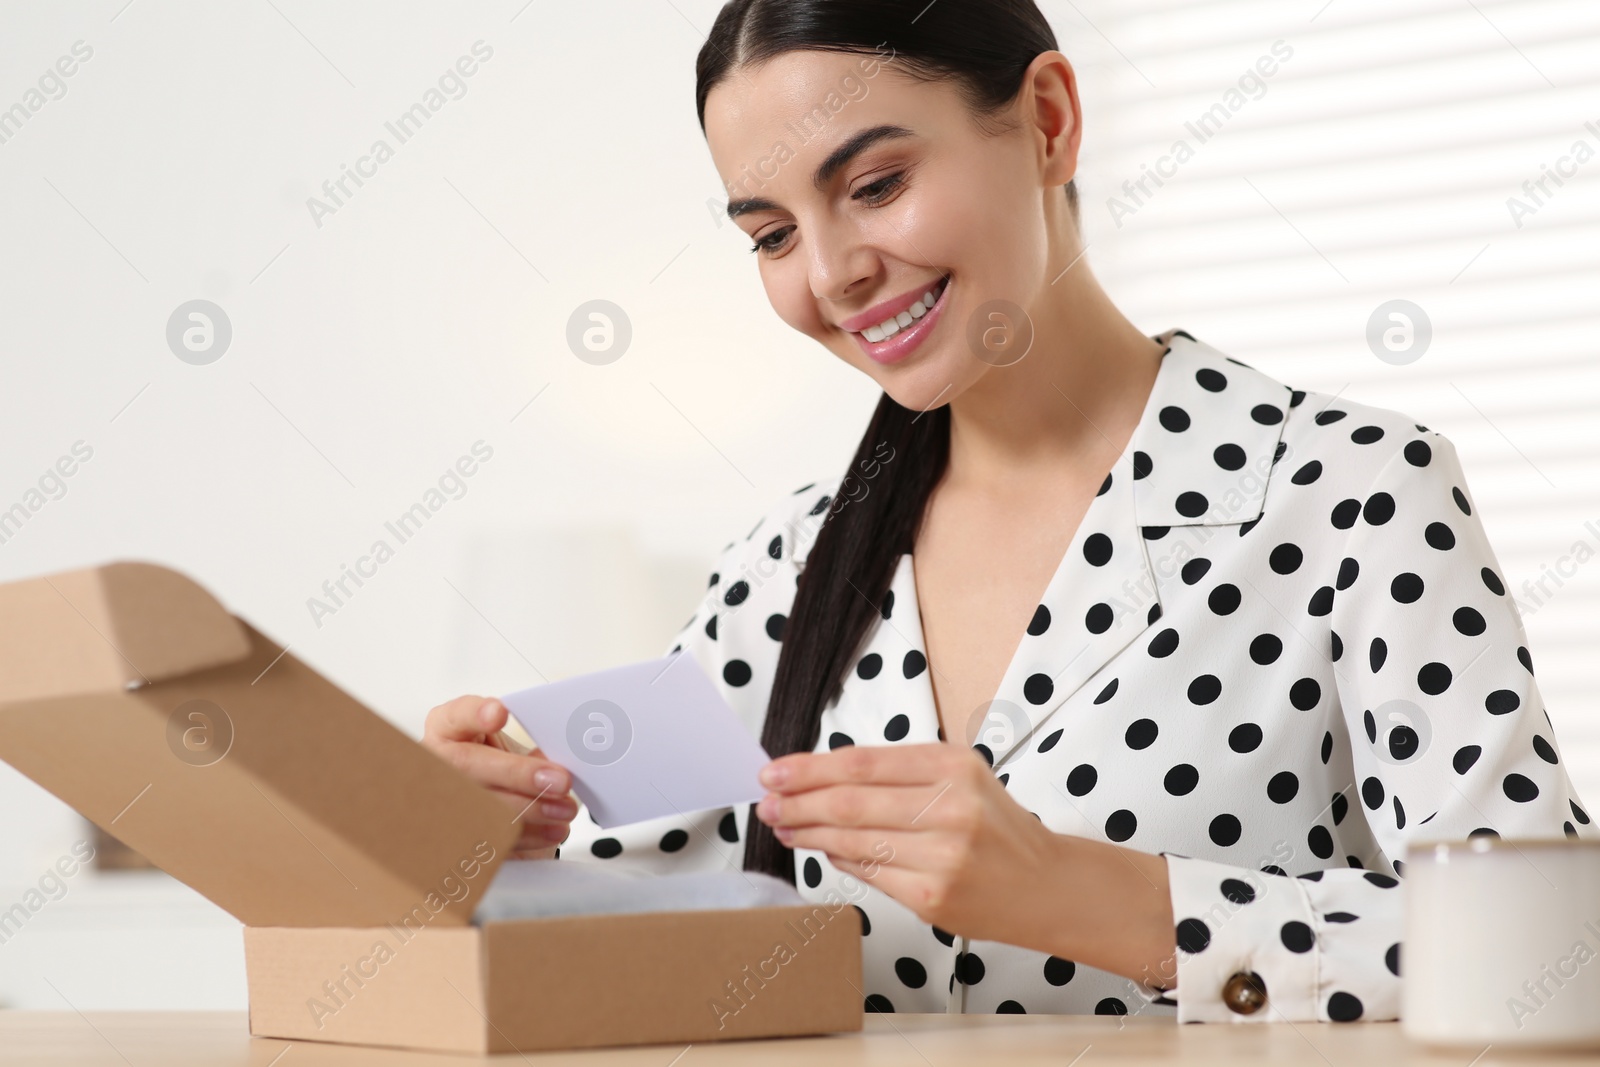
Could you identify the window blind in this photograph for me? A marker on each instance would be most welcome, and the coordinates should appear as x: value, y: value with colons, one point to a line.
x: 1440, y: 152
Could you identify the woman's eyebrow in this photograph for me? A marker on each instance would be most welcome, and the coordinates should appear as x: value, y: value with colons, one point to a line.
x: 836, y: 161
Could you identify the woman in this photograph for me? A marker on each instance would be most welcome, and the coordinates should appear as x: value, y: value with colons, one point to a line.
x: 1187, y: 657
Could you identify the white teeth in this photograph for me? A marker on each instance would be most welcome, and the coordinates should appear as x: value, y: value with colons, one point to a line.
x: 891, y: 326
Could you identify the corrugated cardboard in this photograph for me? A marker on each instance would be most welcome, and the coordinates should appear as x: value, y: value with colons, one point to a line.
x: 354, y: 856
x: 578, y: 982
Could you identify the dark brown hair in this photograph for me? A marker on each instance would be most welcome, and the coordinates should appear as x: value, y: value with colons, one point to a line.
x: 983, y: 49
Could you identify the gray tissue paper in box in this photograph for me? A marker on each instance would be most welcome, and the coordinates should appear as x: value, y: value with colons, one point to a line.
x: 537, y: 889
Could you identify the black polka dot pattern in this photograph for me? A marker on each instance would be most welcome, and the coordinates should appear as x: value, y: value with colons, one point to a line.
x: 1211, y: 673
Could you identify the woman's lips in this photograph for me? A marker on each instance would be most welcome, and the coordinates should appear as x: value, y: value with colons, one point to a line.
x: 902, y: 344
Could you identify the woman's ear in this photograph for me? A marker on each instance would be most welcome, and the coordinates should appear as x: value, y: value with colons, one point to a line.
x: 1051, y: 106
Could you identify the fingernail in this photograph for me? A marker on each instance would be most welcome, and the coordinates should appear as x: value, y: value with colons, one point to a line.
x: 767, y: 810
x: 783, y: 834
x: 549, y: 778
x: 486, y: 712
x: 555, y: 809
x: 774, y: 774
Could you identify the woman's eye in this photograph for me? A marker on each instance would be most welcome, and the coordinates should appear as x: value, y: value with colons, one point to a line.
x: 877, y: 192
x: 767, y: 244
x: 871, y: 194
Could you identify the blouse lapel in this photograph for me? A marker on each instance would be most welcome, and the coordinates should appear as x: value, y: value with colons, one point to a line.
x: 1100, y: 598
x: 1105, y: 591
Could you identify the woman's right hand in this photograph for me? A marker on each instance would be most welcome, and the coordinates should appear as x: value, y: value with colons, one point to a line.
x: 463, y: 732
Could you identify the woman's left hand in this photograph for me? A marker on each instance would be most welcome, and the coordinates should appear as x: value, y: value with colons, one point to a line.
x: 927, y: 824
x: 932, y: 827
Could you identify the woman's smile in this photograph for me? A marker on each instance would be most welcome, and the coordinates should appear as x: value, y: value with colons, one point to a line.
x: 897, y: 328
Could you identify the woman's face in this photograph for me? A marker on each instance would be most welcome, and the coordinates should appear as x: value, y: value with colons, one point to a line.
x: 845, y: 238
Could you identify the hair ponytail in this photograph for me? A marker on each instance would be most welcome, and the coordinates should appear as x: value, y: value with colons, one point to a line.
x: 872, y: 520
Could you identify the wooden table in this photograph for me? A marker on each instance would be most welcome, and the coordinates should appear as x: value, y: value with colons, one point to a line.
x: 173, y: 1039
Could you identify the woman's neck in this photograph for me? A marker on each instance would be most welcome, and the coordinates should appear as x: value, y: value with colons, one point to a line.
x: 1067, y: 408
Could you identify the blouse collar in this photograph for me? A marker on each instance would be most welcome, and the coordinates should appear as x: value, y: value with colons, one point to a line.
x: 1204, y: 447
x: 1200, y: 456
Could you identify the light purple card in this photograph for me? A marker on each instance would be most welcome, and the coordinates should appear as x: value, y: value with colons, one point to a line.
x: 644, y: 740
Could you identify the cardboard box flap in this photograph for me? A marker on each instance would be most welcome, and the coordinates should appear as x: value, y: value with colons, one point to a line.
x: 254, y: 780
x: 109, y: 627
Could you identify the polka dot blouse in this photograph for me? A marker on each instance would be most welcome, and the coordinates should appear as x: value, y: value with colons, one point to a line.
x: 1278, y: 650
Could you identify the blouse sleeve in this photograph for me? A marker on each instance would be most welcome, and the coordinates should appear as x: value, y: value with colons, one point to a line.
x: 1446, y: 735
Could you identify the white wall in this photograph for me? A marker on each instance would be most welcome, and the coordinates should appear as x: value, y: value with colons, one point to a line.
x: 371, y: 351
x: 367, y: 355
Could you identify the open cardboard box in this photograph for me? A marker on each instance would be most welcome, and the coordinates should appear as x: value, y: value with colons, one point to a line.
x: 354, y: 856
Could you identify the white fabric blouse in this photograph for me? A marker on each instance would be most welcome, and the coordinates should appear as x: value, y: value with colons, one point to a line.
x: 1278, y: 650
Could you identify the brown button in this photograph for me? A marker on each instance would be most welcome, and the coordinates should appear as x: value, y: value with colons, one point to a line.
x: 1244, y: 992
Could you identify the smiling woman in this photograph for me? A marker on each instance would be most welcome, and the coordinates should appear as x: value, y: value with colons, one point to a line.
x: 1121, y: 674
x: 935, y: 202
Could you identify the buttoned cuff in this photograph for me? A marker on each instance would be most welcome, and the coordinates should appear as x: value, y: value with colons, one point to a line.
x: 1247, y: 944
